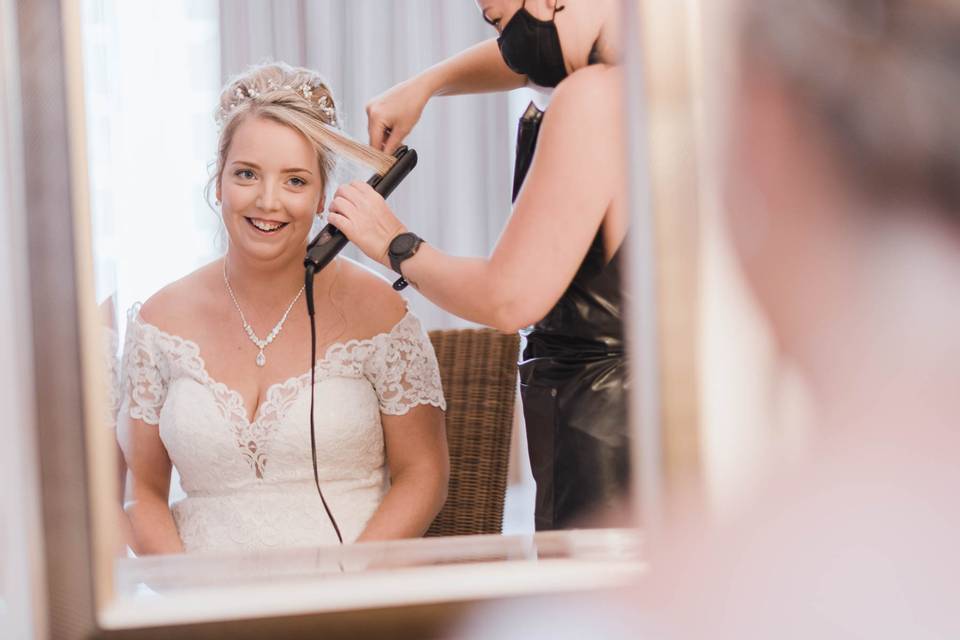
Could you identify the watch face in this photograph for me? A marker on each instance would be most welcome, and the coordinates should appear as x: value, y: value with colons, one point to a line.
x: 402, y: 244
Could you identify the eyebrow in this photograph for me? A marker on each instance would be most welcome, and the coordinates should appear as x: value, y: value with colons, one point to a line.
x: 254, y: 165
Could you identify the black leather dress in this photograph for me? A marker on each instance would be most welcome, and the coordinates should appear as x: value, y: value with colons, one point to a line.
x: 573, y: 380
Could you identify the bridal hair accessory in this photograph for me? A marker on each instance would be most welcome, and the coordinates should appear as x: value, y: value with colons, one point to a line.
x: 242, y: 94
x: 261, y: 344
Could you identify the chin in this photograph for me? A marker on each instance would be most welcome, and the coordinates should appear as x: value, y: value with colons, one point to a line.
x: 285, y: 244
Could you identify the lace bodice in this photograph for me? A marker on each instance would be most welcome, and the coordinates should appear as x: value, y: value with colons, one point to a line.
x: 249, y: 483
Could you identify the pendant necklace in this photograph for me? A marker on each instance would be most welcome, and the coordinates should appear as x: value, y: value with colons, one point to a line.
x: 261, y: 344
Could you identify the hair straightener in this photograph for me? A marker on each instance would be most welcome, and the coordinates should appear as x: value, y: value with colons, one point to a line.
x: 321, y: 250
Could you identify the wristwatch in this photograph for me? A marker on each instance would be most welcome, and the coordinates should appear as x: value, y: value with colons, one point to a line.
x: 401, y: 248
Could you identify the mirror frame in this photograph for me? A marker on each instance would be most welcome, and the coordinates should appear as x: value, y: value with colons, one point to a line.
x: 77, y: 537
x: 68, y: 582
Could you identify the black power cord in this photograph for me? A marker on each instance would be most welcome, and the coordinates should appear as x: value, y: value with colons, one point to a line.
x: 324, y: 248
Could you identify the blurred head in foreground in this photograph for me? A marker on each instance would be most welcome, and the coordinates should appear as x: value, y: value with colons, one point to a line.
x: 843, y: 204
x: 843, y: 175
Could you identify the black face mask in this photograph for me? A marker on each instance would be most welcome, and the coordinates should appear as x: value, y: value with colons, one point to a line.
x: 531, y: 47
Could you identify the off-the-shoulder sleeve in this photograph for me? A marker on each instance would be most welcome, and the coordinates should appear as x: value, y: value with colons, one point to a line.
x: 403, y: 369
x: 145, y: 371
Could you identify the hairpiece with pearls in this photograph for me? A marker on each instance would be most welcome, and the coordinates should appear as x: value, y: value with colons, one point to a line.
x: 242, y: 94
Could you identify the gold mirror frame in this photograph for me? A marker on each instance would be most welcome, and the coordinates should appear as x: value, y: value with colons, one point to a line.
x: 77, y: 533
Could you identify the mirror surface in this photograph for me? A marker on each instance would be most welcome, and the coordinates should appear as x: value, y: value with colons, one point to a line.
x: 178, y: 371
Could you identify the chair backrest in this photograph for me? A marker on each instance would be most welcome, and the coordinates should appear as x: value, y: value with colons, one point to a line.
x: 479, y: 372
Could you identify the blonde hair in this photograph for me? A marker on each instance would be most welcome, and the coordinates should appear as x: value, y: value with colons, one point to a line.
x: 295, y: 97
x: 883, y: 79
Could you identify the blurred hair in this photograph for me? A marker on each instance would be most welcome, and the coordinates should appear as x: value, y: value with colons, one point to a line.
x: 882, y: 76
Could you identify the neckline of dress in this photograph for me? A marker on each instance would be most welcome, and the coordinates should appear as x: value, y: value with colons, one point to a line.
x: 271, y: 389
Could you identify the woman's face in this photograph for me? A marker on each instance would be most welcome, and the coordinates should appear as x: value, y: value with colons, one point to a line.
x: 578, y: 25
x: 271, y: 189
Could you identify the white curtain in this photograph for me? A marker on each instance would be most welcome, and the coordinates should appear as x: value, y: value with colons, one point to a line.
x: 151, y: 81
x: 458, y: 198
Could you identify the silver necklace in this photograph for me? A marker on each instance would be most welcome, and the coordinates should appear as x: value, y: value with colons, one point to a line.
x: 261, y: 344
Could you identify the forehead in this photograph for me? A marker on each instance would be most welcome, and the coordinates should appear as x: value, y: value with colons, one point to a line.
x: 495, y: 8
x: 270, y: 141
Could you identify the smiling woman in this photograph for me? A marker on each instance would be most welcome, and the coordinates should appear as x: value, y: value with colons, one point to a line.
x: 206, y: 394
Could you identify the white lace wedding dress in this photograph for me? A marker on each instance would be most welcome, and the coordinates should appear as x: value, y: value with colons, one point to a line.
x: 249, y: 485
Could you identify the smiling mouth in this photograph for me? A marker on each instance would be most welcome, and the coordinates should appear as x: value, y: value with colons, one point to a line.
x: 266, y: 226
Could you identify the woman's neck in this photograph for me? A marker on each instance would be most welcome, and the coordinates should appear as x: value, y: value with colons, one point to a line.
x: 608, y: 42
x: 264, y: 286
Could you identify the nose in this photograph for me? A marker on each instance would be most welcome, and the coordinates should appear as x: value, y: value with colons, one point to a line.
x: 267, y: 199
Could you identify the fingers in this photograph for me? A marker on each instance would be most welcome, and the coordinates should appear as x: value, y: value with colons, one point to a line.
x: 358, y: 203
x: 377, y: 131
x: 395, y: 138
x: 352, y: 197
x: 342, y: 223
x: 345, y: 190
x: 341, y: 215
x: 351, y: 192
x: 385, y: 138
x: 386, y: 132
x: 359, y: 194
x: 378, y: 125
x: 343, y: 205
x: 364, y: 217
x: 362, y: 189
x: 374, y: 127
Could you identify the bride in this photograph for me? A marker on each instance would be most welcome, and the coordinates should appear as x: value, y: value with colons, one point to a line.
x: 217, y: 367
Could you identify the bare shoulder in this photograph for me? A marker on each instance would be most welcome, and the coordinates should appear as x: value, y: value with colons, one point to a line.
x: 592, y: 94
x: 176, y: 307
x: 368, y: 300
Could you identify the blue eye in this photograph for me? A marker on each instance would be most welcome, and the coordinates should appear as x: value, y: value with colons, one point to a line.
x: 298, y: 182
x: 244, y: 174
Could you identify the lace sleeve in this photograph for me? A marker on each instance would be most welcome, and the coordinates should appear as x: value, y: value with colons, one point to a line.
x: 404, y: 371
x: 144, y: 378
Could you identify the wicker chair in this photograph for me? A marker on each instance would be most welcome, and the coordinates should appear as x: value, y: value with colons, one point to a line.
x: 479, y: 372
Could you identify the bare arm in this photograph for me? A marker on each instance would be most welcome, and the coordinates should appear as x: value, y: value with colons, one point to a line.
x: 576, y: 176
x: 153, y: 528
x: 416, y: 447
x: 124, y: 528
x: 480, y: 69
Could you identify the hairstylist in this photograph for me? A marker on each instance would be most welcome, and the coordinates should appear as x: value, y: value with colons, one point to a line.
x: 556, y: 270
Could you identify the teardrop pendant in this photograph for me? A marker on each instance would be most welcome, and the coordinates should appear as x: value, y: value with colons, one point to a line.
x: 261, y: 359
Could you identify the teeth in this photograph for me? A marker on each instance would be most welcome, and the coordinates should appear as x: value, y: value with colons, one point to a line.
x: 265, y: 226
